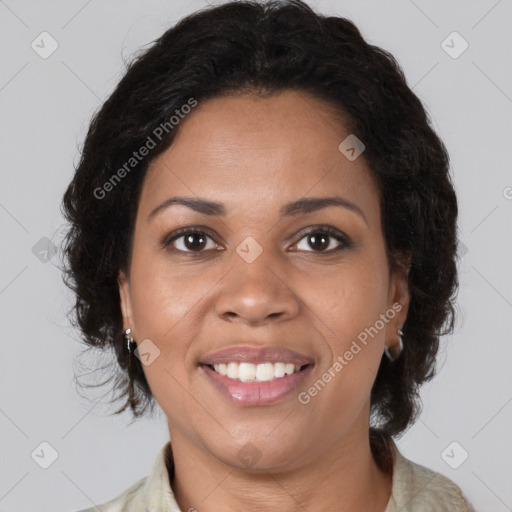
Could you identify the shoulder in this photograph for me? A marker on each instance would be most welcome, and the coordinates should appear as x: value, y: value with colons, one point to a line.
x: 152, y: 492
x: 419, y: 489
x: 128, y: 501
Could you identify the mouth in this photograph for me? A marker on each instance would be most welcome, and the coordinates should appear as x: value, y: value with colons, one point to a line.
x: 256, y: 376
x: 262, y: 372
x: 256, y: 392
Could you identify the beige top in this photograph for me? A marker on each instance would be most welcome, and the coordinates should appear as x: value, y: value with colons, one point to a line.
x: 415, y: 489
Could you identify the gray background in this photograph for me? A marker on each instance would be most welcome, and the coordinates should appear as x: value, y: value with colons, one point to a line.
x: 45, y: 106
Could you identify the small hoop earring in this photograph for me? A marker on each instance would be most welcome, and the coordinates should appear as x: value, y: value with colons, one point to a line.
x: 130, y: 342
x: 393, y: 352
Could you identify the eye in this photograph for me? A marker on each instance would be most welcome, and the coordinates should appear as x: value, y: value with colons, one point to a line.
x: 189, y: 240
x: 323, y: 240
x: 195, y: 241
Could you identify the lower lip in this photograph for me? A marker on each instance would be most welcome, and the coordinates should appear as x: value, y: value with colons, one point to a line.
x: 256, y: 393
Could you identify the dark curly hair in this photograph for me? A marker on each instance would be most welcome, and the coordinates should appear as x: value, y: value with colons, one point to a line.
x: 265, y: 48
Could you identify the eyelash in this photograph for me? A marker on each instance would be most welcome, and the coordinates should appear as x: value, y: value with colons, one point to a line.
x: 200, y: 230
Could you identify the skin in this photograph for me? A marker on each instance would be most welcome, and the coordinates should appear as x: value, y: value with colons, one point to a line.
x: 254, y: 155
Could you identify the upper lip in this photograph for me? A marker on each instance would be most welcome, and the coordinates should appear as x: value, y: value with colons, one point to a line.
x: 255, y: 355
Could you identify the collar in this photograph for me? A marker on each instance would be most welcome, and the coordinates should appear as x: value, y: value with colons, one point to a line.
x: 157, y: 491
x: 415, y: 487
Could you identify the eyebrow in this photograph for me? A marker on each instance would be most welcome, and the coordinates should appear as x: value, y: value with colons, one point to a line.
x: 301, y: 206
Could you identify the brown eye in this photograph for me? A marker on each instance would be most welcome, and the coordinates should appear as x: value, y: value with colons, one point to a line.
x: 194, y: 241
x: 191, y: 241
x: 323, y: 240
x: 319, y: 241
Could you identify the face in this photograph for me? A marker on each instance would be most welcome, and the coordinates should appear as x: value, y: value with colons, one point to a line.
x: 307, y: 285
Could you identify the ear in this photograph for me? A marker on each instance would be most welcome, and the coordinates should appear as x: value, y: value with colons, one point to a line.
x: 126, y: 304
x: 398, y: 301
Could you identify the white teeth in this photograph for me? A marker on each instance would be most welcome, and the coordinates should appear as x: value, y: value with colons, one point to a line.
x: 232, y: 372
x: 279, y: 370
x: 264, y: 371
x: 249, y: 372
x: 246, y: 372
x: 289, y: 368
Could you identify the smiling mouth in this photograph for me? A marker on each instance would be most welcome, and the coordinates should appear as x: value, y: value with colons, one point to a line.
x: 261, y: 372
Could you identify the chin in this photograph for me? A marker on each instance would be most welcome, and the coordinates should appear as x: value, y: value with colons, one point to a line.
x: 258, y: 452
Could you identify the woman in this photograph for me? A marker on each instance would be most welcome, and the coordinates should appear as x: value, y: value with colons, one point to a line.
x: 263, y: 228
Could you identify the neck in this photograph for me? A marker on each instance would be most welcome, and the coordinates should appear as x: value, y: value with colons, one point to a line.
x: 344, y: 478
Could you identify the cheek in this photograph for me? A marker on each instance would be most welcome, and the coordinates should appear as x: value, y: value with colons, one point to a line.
x: 161, y: 296
x: 165, y: 308
x: 348, y: 303
x: 348, y: 298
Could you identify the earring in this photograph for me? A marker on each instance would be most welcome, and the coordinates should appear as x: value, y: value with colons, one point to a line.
x: 393, y: 352
x: 130, y: 343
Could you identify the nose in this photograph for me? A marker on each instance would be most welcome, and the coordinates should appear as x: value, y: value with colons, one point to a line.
x: 256, y: 293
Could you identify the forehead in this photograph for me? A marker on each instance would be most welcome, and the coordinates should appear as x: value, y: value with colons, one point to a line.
x: 246, y: 150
